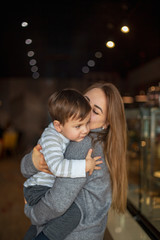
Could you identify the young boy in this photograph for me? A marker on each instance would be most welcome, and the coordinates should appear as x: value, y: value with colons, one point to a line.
x: 70, y: 113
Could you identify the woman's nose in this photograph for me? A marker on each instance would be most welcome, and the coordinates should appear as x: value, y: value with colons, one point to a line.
x: 91, y: 105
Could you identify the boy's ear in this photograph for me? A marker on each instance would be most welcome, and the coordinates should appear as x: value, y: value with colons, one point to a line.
x: 57, y: 126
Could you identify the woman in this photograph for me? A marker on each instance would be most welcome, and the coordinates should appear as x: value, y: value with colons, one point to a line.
x: 104, y: 188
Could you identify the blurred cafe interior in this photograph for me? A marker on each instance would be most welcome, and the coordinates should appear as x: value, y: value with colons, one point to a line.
x: 48, y: 46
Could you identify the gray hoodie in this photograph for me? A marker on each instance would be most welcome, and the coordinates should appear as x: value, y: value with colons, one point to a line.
x: 92, y: 194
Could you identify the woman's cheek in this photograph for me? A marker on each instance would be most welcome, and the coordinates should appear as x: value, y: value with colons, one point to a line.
x: 92, y: 119
x: 94, y: 123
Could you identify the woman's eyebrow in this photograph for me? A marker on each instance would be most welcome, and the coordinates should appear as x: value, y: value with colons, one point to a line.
x: 99, y: 108
x: 87, y: 98
x: 95, y: 105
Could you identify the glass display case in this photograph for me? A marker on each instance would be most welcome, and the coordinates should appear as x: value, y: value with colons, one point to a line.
x: 143, y: 158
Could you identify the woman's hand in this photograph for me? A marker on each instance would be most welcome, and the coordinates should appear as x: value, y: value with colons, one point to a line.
x: 91, y: 163
x: 38, y: 160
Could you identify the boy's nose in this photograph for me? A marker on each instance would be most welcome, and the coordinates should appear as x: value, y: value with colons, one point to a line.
x: 85, y: 129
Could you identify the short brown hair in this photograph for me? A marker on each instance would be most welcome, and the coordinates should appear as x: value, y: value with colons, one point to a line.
x: 68, y: 103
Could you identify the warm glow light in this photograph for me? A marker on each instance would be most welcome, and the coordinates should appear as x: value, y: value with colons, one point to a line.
x: 143, y: 143
x: 125, y: 29
x: 148, y: 200
x: 127, y: 99
x: 156, y: 174
x: 110, y: 44
x: 153, y: 88
x: 141, y: 98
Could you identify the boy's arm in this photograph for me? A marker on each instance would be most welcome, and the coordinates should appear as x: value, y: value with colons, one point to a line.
x: 58, y: 165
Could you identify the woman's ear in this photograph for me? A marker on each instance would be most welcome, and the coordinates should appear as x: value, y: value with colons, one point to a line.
x: 57, y: 126
x: 105, y: 126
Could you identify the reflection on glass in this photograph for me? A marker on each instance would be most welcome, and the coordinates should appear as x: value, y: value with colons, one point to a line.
x: 144, y: 162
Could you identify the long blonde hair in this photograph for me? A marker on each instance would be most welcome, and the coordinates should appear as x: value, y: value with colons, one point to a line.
x: 115, y: 144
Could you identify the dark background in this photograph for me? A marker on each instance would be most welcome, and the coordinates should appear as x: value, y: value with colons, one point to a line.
x: 66, y: 34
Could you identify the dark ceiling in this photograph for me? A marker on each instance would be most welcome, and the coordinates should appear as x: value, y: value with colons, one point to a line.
x: 66, y: 34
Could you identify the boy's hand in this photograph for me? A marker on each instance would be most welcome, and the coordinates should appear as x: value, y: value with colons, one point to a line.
x: 91, y: 163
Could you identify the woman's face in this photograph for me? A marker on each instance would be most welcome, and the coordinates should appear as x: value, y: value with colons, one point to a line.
x: 98, y: 102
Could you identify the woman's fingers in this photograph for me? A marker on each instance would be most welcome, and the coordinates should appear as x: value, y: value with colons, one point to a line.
x: 43, y: 166
x: 97, y: 168
x: 47, y: 171
x: 89, y: 153
x: 43, y: 163
x: 98, y: 162
x: 38, y: 160
x: 96, y: 158
x: 38, y: 147
x: 90, y: 172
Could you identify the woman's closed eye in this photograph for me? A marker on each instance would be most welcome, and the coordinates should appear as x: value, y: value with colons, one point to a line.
x: 95, y: 112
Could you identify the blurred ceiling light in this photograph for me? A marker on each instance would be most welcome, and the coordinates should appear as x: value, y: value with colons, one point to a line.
x: 91, y: 63
x: 125, y: 29
x: 35, y: 75
x: 32, y: 62
x: 110, y: 44
x: 24, y: 24
x: 98, y: 54
x: 30, y: 54
x: 34, y: 69
x: 28, y: 41
x: 85, y: 69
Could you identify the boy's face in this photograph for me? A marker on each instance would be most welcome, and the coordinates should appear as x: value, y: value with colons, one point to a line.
x: 76, y: 129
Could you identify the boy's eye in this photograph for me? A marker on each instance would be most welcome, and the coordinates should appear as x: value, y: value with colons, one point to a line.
x: 77, y: 126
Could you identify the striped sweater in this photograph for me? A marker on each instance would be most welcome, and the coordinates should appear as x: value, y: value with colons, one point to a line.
x: 54, y: 145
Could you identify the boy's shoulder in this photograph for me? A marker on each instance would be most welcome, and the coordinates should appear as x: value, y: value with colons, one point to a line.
x: 50, y: 131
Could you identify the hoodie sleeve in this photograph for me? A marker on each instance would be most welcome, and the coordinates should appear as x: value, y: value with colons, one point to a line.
x: 27, y: 167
